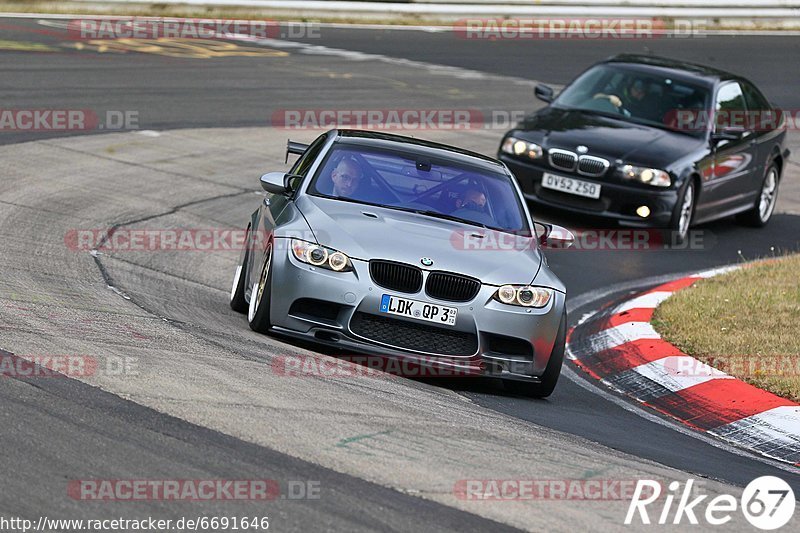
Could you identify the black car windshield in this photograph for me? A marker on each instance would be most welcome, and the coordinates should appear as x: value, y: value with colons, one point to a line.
x: 438, y: 188
x: 641, y: 96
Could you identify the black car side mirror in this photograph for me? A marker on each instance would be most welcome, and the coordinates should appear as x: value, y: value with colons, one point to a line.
x: 544, y: 93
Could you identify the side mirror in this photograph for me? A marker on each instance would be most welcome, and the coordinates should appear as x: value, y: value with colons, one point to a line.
x: 728, y: 133
x: 544, y: 93
x: 275, y: 182
x: 556, y: 237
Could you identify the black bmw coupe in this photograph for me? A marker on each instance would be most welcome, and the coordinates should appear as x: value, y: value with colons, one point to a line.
x: 652, y: 142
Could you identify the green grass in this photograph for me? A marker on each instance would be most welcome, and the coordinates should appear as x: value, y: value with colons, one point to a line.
x: 745, y: 323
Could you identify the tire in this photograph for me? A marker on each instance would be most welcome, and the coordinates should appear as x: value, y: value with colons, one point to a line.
x: 237, y: 301
x: 552, y: 371
x: 761, y: 213
x: 258, y: 310
x: 684, y: 214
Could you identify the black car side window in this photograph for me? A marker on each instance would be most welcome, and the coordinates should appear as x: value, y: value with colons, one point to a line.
x: 761, y: 116
x: 731, y: 109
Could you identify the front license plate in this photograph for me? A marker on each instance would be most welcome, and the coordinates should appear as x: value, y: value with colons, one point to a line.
x: 440, y: 314
x: 571, y: 185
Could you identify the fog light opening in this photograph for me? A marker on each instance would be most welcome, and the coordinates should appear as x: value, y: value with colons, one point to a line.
x: 643, y: 211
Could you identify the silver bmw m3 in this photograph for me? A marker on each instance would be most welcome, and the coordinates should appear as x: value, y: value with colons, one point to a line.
x: 401, y: 248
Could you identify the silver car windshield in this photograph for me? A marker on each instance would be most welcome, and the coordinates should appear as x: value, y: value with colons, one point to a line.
x: 441, y: 189
x: 637, y: 96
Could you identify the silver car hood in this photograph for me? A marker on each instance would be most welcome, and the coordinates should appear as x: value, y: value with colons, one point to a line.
x: 408, y: 237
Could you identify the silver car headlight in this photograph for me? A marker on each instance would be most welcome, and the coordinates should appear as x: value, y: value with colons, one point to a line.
x: 650, y: 176
x: 524, y: 295
x: 518, y: 147
x: 321, y: 256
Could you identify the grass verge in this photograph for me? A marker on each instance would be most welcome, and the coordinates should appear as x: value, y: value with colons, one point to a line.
x: 745, y: 323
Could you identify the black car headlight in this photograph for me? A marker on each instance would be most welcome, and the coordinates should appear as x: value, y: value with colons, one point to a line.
x: 320, y: 256
x: 520, y: 148
x: 524, y: 295
x: 650, y: 176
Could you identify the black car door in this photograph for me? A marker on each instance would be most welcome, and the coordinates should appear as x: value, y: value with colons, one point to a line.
x: 763, y: 120
x: 728, y: 183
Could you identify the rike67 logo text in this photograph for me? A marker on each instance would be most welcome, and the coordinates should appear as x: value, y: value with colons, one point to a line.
x: 767, y: 503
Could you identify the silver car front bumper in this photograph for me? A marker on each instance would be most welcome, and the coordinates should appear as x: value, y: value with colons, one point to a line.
x: 330, y: 308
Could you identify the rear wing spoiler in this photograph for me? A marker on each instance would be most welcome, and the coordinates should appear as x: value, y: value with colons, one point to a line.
x: 294, y: 147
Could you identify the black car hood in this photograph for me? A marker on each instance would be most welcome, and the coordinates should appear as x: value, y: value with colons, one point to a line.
x: 608, y: 137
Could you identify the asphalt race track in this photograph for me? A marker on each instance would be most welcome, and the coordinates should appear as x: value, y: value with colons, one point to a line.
x: 204, y: 402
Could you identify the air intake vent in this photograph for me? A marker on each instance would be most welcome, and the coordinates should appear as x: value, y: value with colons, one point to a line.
x: 412, y: 336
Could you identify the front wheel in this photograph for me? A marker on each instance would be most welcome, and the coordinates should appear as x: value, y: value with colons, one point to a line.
x: 683, y: 214
x: 548, y: 380
x: 761, y: 212
x: 260, y: 295
x: 237, y: 301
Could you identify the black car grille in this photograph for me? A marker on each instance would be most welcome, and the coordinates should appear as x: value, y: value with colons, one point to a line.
x: 451, y: 287
x: 396, y: 276
x: 587, y: 165
x: 592, y: 166
x: 563, y: 160
x: 412, y: 336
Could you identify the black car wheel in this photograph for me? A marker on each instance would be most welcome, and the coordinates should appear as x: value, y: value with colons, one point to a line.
x: 258, y: 311
x: 683, y: 214
x: 552, y: 371
x: 762, y: 211
x: 238, y: 302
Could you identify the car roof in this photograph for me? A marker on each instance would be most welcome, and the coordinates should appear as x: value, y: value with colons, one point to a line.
x: 420, y: 147
x: 674, y: 67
